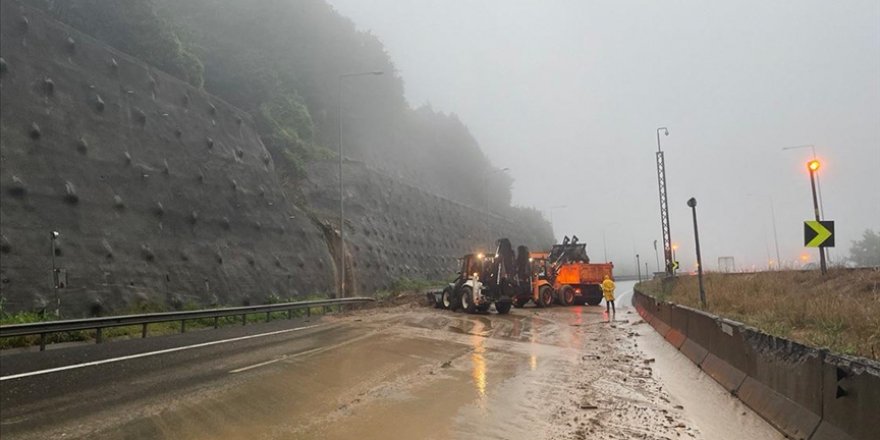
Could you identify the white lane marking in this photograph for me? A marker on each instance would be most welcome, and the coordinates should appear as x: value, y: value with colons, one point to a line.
x: 250, y: 367
x: 149, y: 353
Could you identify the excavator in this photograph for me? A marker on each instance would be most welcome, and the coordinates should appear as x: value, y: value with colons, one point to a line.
x: 565, y: 276
x: 486, y: 280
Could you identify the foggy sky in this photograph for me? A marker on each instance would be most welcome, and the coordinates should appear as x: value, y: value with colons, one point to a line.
x: 568, y: 95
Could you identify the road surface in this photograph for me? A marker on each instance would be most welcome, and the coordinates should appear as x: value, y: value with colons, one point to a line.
x: 405, y: 372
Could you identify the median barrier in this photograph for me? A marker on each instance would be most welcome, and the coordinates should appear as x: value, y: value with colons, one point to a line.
x: 699, y: 328
x: 850, y: 399
x: 661, y: 317
x: 783, y: 383
x: 728, y: 358
x: 678, y: 319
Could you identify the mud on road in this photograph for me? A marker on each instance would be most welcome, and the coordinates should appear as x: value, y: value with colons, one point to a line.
x: 413, y: 372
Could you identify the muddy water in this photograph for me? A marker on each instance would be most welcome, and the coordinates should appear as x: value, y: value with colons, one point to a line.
x: 419, y: 373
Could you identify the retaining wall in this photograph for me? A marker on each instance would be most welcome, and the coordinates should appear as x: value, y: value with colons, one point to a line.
x: 804, y: 392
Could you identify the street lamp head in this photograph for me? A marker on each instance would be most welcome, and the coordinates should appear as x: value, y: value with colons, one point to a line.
x: 813, y: 165
x: 54, y: 234
x: 692, y: 202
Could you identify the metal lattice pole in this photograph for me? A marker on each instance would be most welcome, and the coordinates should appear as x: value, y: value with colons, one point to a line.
x: 664, y: 205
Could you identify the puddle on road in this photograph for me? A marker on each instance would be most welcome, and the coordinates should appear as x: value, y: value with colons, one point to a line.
x: 431, y: 374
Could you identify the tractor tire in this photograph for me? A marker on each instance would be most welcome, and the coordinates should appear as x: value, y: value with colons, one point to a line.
x: 483, y: 308
x: 432, y: 301
x: 518, y: 303
x: 447, y: 299
x: 566, y: 295
x: 467, y: 300
x: 594, y: 301
x: 545, y: 296
x: 502, y: 308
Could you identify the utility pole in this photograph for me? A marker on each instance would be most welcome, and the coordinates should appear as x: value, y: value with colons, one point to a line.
x: 664, y: 205
x: 813, y: 166
x: 692, y: 202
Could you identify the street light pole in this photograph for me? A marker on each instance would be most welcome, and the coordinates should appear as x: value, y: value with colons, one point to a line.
x: 52, y: 237
x: 656, y: 256
x: 341, y: 186
x: 692, y: 202
x: 639, y: 267
x: 488, y: 193
x: 813, y: 166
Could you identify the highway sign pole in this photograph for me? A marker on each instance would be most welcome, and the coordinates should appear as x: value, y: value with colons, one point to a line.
x: 813, y: 167
x: 692, y: 202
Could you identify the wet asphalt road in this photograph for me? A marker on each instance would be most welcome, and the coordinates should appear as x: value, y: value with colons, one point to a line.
x: 408, y: 372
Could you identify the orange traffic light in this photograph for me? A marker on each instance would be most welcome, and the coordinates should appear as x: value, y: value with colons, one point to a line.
x: 813, y: 165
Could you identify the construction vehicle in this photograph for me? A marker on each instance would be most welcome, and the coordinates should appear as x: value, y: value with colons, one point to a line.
x: 469, y: 275
x: 540, y: 286
x: 575, y: 280
x: 484, y: 280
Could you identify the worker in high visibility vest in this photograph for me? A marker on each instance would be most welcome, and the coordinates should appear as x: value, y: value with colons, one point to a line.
x: 608, y: 293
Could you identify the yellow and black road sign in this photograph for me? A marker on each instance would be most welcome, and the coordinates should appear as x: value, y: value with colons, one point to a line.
x: 818, y: 233
x: 675, y: 265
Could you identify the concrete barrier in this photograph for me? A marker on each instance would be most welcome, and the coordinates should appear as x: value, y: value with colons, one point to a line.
x: 803, y: 392
x: 850, y: 399
x: 661, y: 314
x: 728, y: 358
x: 678, y: 319
x: 783, y: 383
x: 700, y: 327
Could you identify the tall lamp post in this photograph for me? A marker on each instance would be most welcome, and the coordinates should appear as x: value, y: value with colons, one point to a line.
x: 692, y: 202
x: 813, y: 166
x: 664, y: 205
x: 488, y: 194
x: 341, y: 187
x: 656, y: 256
x: 52, y: 237
x: 639, y: 267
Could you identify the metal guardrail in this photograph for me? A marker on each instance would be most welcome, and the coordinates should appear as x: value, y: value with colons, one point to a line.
x: 45, y: 328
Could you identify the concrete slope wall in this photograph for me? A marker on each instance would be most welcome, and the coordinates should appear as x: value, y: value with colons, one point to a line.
x: 804, y: 392
x: 160, y: 191
x: 396, y: 230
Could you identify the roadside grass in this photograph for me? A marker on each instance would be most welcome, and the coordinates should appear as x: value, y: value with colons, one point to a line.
x: 134, y: 331
x: 405, y: 285
x: 840, y: 311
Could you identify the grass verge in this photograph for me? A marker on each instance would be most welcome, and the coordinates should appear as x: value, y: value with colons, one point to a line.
x: 840, y: 311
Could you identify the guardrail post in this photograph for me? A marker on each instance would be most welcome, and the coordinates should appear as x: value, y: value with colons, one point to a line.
x: 289, y: 313
x: 244, y: 319
x: 144, y: 330
x: 42, y: 342
x: 216, y: 322
x: 308, y: 312
x: 324, y: 310
x: 99, y: 335
x: 183, y: 326
x: 268, y: 316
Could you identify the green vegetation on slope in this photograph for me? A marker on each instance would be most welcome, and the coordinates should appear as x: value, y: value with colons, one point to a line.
x: 280, y: 60
x: 840, y: 311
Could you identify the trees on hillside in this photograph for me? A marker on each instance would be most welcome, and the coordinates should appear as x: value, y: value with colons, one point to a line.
x: 866, y: 252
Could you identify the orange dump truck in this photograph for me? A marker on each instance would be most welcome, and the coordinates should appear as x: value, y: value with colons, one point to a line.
x: 565, y: 275
x: 579, y: 282
x: 576, y: 280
